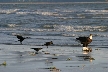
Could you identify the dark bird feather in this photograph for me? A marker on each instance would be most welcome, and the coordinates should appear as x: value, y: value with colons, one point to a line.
x: 48, y: 43
x: 85, y: 40
x: 20, y: 38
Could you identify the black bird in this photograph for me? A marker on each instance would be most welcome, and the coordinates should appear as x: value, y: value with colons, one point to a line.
x: 37, y: 49
x: 20, y: 38
x: 85, y: 41
x: 48, y: 43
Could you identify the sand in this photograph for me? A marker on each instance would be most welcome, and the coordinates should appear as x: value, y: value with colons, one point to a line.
x: 20, y: 58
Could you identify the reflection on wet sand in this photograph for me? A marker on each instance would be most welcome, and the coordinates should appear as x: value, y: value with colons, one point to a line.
x: 86, y: 56
x: 37, y: 49
x: 55, y: 56
x: 48, y: 63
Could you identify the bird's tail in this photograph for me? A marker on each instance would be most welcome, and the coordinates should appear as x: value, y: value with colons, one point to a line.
x: 43, y: 44
x: 26, y: 37
x: 77, y: 38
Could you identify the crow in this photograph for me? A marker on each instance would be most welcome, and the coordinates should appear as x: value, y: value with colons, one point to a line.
x: 21, y: 38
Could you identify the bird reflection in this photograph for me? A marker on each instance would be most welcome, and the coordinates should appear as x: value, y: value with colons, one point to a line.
x: 86, y: 56
x: 48, y: 63
x: 37, y: 49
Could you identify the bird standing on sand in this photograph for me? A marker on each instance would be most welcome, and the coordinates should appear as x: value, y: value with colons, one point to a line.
x: 20, y: 38
x: 85, y: 41
x: 48, y: 43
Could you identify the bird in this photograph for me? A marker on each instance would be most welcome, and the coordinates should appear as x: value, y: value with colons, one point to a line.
x: 21, y: 38
x: 85, y: 41
x: 37, y: 49
x: 48, y: 43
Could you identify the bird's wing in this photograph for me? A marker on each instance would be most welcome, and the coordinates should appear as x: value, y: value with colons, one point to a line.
x: 19, y: 37
x: 47, y: 42
x: 82, y: 39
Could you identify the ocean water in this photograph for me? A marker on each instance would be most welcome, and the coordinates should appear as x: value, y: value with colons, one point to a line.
x: 57, y: 22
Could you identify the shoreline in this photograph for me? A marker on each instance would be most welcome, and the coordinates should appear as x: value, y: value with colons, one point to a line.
x: 52, y: 2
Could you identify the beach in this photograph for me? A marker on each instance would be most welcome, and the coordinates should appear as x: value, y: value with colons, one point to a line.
x: 20, y: 58
x: 60, y: 23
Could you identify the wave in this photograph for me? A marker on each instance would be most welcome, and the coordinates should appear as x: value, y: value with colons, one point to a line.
x: 59, y: 13
x: 47, y: 13
x: 8, y: 11
x: 12, y: 25
x: 80, y: 28
x: 24, y: 13
x: 100, y: 17
x: 66, y: 18
x: 38, y: 13
x: 58, y: 28
x: 97, y: 11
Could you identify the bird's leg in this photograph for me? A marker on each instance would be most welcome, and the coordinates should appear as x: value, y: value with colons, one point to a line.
x: 85, y: 46
x: 20, y: 42
x: 36, y: 52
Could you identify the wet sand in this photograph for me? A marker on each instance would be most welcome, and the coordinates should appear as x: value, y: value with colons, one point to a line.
x: 20, y: 58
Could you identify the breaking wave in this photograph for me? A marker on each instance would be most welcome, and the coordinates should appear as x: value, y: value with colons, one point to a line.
x: 59, y: 28
x: 8, y: 11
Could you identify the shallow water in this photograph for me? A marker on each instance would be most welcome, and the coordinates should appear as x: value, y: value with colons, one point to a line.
x: 60, y: 23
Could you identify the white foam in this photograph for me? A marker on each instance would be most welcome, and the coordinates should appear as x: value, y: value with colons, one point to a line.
x: 38, y: 12
x: 79, y: 28
x: 58, y: 28
x: 12, y: 25
x: 8, y: 11
x: 80, y: 17
x: 47, y: 13
x: 97, y: 11
x: 24, y: 13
